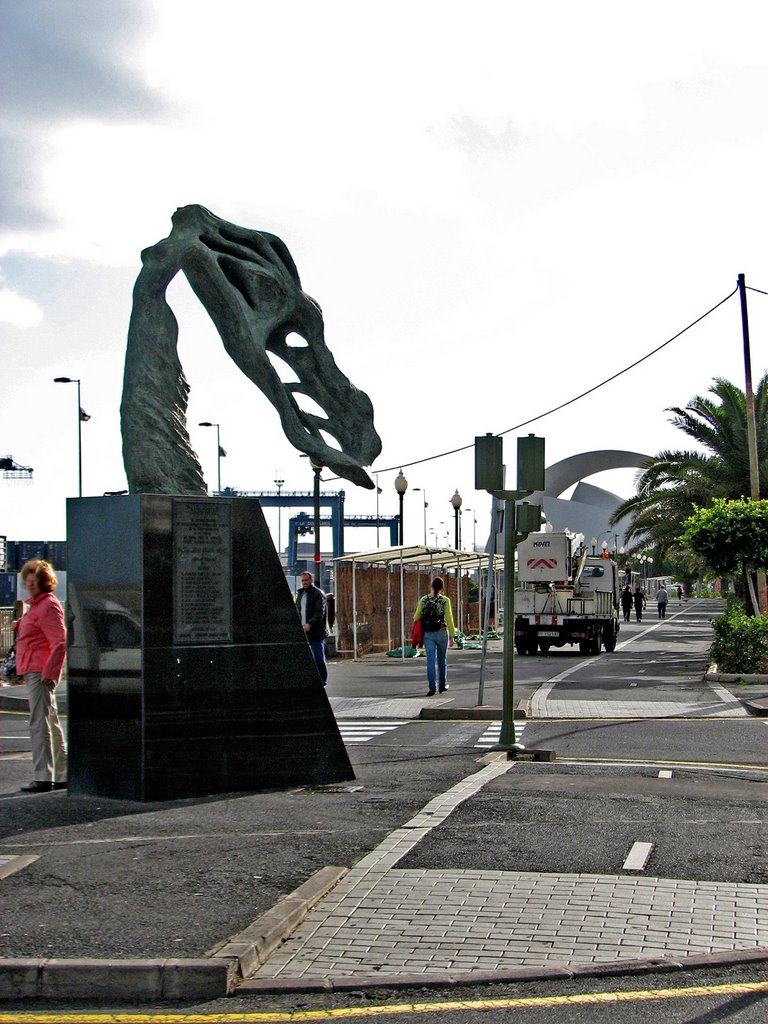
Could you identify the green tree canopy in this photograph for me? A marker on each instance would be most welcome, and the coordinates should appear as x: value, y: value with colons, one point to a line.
x: 730, y: 536
x: 675, y: 483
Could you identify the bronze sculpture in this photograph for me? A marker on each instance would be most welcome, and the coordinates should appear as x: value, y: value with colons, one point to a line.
x: 248, y: 283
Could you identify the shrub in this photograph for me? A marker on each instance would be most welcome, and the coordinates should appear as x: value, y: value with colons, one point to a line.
x: 741, y: 642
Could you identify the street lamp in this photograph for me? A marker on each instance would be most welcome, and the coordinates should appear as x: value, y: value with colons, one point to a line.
x: 474, y: 526
x: 604, y: 546
x: 278, y: 485
x: 593, y: 542
x: 401, y: 486
x: 378, y: 492
x: 456, y: 502
x: 219, y: 450
x: 82, y: 417
x: 426, y: 506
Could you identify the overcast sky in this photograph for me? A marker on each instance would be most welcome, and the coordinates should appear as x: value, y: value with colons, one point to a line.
x: 497, y: 206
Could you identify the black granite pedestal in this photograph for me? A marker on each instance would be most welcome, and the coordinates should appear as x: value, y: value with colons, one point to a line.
x: 189, y: 670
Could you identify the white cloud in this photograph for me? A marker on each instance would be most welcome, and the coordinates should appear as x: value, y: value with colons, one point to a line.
x: 18, y: 311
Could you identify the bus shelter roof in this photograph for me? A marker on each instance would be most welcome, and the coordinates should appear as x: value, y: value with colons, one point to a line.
x: 417, y: 554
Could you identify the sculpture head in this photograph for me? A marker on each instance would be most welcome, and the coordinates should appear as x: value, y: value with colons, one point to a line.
x: 248, y: 283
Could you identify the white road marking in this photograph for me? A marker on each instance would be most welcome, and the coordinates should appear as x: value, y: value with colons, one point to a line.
x: 665, y: 775
x: 491, y: 735
x: 361, y: 732
x: 638, y: 857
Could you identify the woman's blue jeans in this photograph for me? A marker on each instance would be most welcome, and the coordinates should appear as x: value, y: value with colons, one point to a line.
x: 436, y: 644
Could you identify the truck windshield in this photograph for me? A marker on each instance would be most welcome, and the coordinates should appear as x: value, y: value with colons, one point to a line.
x: 591, y: 571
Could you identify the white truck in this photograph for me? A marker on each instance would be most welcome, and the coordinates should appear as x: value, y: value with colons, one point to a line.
x: 564, y: 597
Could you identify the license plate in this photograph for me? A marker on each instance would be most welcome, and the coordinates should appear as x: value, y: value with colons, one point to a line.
x: 548, y: 632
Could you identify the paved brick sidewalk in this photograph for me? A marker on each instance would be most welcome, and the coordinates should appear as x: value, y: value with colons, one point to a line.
x: 436, y: 921
x: 722, y: 705
x: 390, y: 921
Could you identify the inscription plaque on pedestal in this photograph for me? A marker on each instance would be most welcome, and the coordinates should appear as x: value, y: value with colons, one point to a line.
x: 202, y: 571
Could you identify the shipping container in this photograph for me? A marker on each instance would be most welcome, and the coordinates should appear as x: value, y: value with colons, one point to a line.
x: 27, y: 549
x: 11, y: 556
x: 7, y: 589
x: 56, y: 554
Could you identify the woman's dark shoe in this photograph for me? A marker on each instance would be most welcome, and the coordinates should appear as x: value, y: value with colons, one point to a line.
x: 37, y: 787
x: 58, y: 785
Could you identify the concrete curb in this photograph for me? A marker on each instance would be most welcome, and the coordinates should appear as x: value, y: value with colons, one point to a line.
x: 10, y: 702
x: 512, y: 975
x: 479, y: 713
x: 757, y: 706
x: 253, y: 946
x: 136, y: 980
x: 151, y: 980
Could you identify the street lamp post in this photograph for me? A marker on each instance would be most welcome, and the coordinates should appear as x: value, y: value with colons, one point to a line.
x: 278, y: 485
x: 474, y: 527
x: 317, y: 470
x: 206, y: 423
x: 426, y: 506
x: 81, y: 417
x: 401, y: 486
x: 378, y: 492
x: 456, y: 502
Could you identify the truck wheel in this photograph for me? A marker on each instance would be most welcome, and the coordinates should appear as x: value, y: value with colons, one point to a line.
x: 544, y: 646
x: 585, y: 646
x: 609, y: 639
x: 521, y: 646
x: 596, y: 642
x: 532, y: 645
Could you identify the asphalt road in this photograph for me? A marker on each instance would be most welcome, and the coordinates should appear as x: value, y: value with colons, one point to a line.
x: 143, y: 881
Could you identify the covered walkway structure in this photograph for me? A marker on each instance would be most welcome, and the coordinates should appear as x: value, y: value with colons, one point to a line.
x: 438, y: 561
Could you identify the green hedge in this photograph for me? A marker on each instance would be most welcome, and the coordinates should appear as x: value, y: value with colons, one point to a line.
x: 741, y: 642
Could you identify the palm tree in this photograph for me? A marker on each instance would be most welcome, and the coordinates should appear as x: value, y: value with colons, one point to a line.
x: 673, y: 482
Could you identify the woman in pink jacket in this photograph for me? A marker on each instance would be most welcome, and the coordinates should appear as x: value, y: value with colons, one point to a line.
x: 41, y: 646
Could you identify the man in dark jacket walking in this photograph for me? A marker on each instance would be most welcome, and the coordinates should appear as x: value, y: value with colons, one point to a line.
x: 311, y: 606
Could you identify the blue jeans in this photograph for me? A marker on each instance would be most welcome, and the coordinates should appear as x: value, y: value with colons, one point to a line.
x: 436, y: 644
x: 318, y: 653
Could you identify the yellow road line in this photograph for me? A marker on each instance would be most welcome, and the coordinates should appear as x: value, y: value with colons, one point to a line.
x: 629, y: 762
x: 394, y: 1009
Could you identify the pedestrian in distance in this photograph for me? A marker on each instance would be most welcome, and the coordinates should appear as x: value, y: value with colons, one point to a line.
x: 661, y: 601
x: 436, y: 616
x: 639, y: 601
x: 41, y: 647
x: 679, y: 593
x: 626, y: 602
x: 312, y: 609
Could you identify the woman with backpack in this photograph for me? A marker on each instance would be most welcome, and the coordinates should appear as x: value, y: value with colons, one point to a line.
x: 436, y: 616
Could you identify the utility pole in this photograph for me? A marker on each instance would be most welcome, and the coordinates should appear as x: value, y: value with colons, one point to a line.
x: 754, y: 466
x: 754, y: 469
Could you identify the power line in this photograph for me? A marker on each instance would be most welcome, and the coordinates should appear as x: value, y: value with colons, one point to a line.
x: 751, y: 289
x: 576, y: 398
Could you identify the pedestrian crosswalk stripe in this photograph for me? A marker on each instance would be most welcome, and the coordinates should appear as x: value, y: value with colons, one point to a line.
x: 491, y: 735
x: 361, y: 732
